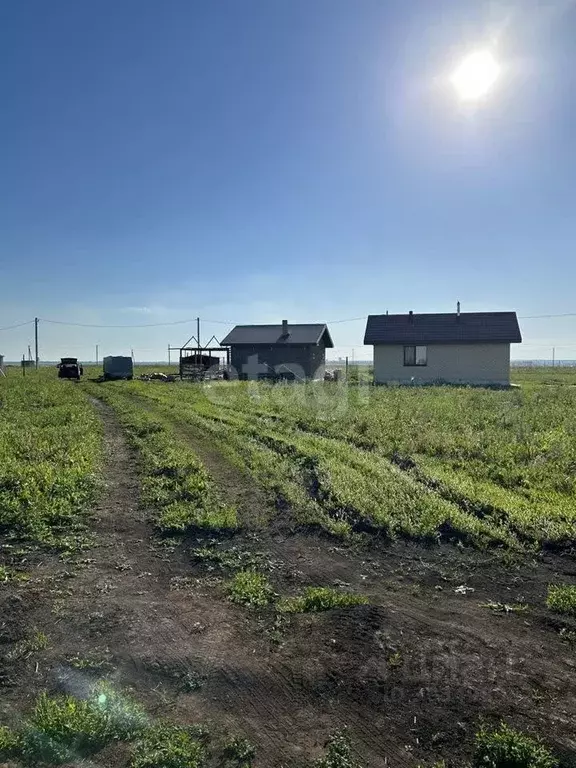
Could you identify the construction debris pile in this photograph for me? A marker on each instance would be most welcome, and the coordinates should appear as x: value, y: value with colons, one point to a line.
x: 157, y: 376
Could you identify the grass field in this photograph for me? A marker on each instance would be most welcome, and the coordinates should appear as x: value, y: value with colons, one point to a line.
x: 50, y: 449
x: 233, y: 574
x: 482, y: 467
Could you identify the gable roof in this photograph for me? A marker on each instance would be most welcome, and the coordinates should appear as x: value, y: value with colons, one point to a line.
x: 311, y: 334
x: 443, y: 328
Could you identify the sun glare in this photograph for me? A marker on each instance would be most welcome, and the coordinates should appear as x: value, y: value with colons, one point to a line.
x: 475, y: 75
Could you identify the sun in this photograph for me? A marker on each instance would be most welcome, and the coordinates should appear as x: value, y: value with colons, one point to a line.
x: 475, y: 76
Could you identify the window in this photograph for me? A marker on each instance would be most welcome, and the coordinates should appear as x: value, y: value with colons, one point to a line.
x: 415, y: 355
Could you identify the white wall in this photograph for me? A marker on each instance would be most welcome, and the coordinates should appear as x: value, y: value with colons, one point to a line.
x: 455, y: 363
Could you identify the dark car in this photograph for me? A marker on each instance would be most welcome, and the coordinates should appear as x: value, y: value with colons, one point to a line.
x: 69, y: 368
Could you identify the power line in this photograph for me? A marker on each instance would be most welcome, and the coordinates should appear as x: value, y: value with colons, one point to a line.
x: 348, y: 320
x: 543, y: 317
x: 328, y: 322
x: 223, y: 322
x: 18, y: 325
x: 96, y: 325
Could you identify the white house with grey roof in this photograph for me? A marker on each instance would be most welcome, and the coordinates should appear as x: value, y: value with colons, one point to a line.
x: 286, y: 350
x: 456, y: 348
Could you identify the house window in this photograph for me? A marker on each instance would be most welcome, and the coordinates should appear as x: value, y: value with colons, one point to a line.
x: 415, y: 356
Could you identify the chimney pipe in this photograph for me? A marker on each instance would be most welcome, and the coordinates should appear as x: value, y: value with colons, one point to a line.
x: 411, y: 316
x: 285, y: 328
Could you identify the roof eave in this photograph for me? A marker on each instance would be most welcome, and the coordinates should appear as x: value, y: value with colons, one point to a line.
x: 408, y: 342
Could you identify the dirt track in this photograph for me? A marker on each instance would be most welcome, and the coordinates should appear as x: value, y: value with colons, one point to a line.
x: 409, y: 675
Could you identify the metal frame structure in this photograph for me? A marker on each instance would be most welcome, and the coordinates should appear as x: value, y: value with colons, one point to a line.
x: 197, y: 371
x: 200, y: 350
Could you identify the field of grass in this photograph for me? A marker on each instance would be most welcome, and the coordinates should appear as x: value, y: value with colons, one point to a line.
x: 477, y: 466
x: 50, y: 450
x: 484, y: 467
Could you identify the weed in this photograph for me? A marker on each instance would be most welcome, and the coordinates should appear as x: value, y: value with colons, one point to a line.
x: 508, y: 748
x: 562, y: 599
x: 277, y: 630
x: 250, y: 588
x: 505, y: 607
x: 168, y: 746
x: 38, y: 642
x: 10, y: 743
x: 25, y: 648
x: 338, y: 753
x: 63, y: 726
x: 93, y: 662
x: 240, y: 751
x: 568, y: 635
x: 234, y: 558
x: 395, y: 659
x: 191, y: 681
x: 181, y: 516
x: 9, y: 574
x: 320, y: 599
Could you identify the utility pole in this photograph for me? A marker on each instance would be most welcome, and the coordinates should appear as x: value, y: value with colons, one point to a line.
x: 96, y: 354
x: 36, y: 341
x: 168, y: 353
x: 553, y: 356
x: 132, y: 352
x: 198, y: 335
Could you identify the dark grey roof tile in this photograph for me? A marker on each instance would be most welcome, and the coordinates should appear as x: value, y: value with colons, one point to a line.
x: 443, y: 328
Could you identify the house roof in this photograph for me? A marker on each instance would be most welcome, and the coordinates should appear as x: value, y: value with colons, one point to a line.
x: 272, y: 334
x: 443, y: 328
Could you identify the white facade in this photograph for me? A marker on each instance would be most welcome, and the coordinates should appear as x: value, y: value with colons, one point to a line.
x: 451, y: 363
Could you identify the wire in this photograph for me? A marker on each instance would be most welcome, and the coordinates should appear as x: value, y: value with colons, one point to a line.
x: 18, y: 325
x: 542, y: 317
x: 94, y: 325
x: 225, y: 322
x: 348, y: 320
x: 329, y: 322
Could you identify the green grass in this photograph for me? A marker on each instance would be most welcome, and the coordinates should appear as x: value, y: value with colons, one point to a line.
x: 486, y: 468
x: 233, y: 558
x: 8, y: 574
x: 10, y: 743
x: 562, y: 599
x: 240, y: 752
x: 168, y: 746
x: 50, y: 449
x: 338, y: 753
x: 175, y: 483
x: 250, y: 588
x: 63, y: 727
x: 37, y: 642
x: 508, y: 748
x: 320, y: 599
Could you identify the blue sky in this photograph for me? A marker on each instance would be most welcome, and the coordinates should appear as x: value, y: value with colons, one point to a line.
x: 251, y: 160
